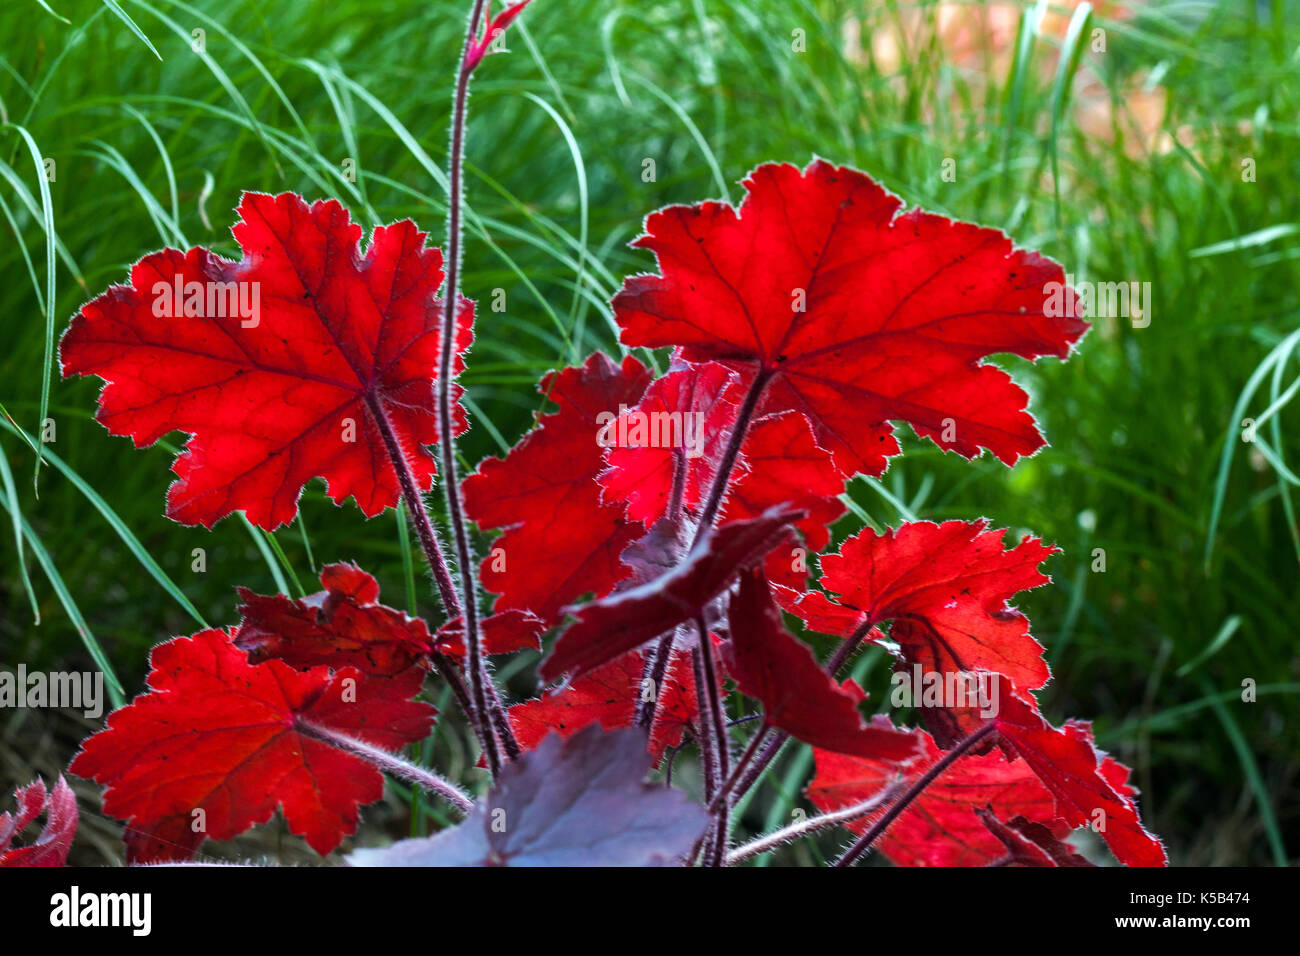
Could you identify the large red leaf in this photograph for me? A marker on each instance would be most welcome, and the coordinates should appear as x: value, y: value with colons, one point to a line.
x: 51, y: 847
x: 287, y: 389
x: 611, y: 626
x: 945, y: 587
x: 940, y: 827
x: 860, y: 316
x: 342, y: 626
x: 797, y: 694
x: 1090, y: 788
x: 561, y: 541
x: 224, y: 736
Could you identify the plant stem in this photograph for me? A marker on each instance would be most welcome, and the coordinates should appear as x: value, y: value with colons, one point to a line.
x: 679, y: 486
x: 707, y: 738
x: 449, y: 672
x: 390, y: 763
x: 846, y: 649
x: 477, y: 671
x: 803, y: 828
x: 708, y: 700
x: 842, y: 654
x: 432, y: 554
x: 656, y: 664
x: 645, y: 715
x: 415, y: 505
x: 708, y: 756
x: 760, y: 763
x: 738, y: 772
x: 654, y: 670
x: 863, y: 843
x: 728, y: 461
x: 502, y: 723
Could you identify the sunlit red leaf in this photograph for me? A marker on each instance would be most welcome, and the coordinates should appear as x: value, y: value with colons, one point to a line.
x: 683, y: 424
x: 286, y: 384
x: 682, y: 421
x: 783, y: 464
x: 945, y: 587
x: 1090, y: 788
x: 609, y: 695
x: 231, y: 739
x: 858, y: 315
x: 940, y: 827
x: 503, y: 633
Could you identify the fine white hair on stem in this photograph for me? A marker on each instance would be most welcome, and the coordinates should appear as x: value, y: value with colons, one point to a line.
x: 391, y: 763
x: 803, y: 828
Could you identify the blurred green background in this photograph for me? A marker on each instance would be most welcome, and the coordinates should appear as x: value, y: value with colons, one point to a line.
x: 1124, y: 162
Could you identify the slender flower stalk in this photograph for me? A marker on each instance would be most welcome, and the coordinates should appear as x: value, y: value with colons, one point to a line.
x: 475, y: 666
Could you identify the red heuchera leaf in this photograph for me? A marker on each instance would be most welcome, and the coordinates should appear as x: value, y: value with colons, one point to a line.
x: 342, y: 626
x: 859, y: 315
x: 581, y: 801
x: 222, y: 735
x: 570, y: 542
x: 609, y: 696
x: 503, y: 633
x: 945, y: 587
x: 1029, y: 843
x: 51, y: 847
x: 685, y: 416
x: 1080, y: 779
x: 621, y: 622
x: 287, y: 389
x: 798, y: 696
x: 939, y: 827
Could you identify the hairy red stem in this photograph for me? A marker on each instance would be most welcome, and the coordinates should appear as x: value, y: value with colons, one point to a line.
x: 475, y: 666
x: 728, y: 461
x: 390, y: 763
x: 708, y: 700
